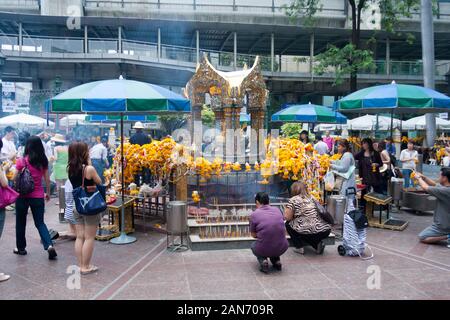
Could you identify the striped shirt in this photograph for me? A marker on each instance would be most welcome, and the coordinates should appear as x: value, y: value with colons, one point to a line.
x: 306, y: 216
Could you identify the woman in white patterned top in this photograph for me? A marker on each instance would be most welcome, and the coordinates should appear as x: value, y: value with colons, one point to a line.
x: 68, y: 211
x: 303, y: 222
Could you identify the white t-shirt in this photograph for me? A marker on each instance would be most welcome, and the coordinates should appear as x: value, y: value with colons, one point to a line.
x: 48, y: 149
x: 9, y: 149
x: 321, y: 147
x: 98, y: 152
x: 410, y: 164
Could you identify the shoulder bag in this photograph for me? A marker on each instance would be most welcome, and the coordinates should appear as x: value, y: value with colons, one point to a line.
x: 7, y: 196
x: 323, y: 213
x: 89, y: 200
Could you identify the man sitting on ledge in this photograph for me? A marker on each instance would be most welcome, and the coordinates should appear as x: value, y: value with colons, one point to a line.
x: 267, y: 226
x: 440, y: 229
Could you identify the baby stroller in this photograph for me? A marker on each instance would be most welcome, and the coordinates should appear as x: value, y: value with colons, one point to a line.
x: 354, y: 233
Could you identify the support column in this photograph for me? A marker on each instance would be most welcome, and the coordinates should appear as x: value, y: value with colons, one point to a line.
x: 159, y: 44
x: 120, y: 40
x: 388, y: 56
x: 197, y: 36
x: 197, y: 132
x: 219, y: 116
x: 235, y: 51
x: 228, y: 134
x: 272, y: 51
x: 20, y: 36
x: 86, y: 48
x: 426, y: 16
x: 311, y: 54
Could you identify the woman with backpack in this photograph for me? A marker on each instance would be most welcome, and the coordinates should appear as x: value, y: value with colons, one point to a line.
x: 80, y: 167
x: 31, y: 169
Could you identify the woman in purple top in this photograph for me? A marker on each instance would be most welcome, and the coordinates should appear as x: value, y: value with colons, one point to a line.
x: 36, y: 161
x: 267, y: 226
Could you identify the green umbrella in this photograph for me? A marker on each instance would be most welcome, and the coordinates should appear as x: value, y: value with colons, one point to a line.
x: 120, y: 97
x: 309, y: 113
x: 397, y: 98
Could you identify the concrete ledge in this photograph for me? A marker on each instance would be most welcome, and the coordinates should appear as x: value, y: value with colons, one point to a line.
x: 197, y: 244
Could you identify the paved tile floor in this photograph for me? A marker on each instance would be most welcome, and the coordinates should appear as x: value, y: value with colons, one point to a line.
x: 146, y: 270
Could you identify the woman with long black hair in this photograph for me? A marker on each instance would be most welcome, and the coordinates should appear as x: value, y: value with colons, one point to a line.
x: 37, y: 163
x: 369, y: 164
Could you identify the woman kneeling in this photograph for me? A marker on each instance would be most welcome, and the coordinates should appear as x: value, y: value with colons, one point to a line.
x: 303, y: 222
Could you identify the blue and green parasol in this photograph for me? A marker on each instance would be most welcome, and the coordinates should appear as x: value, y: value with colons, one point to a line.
x: 308, y: 113
x: 398, y: 98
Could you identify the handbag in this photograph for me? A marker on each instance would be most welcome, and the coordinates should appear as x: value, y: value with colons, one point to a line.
x: 338, y: 182
x: 24, y: 183
x: 89, y: 200
x: 8, y: 196
x: 323, y: 212
x: 359, y: 218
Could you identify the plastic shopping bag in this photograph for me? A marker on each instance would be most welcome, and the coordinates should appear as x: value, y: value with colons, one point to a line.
x: 329, y: 181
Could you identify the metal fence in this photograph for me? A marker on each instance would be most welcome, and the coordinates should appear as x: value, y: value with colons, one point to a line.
x: 219, y: 59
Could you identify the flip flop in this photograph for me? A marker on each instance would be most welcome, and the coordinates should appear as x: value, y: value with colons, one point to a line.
x: 4, y: 277
x: 92, y: 270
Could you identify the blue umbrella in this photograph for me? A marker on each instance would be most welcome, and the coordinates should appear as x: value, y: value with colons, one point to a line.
x: 309, y: 113
x: 120, y: 97
x: 397, y: 98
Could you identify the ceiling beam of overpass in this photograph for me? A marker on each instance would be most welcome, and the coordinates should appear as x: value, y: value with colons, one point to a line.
x: 255, y: 43
x: 292, y: 43
x: 228, y: 37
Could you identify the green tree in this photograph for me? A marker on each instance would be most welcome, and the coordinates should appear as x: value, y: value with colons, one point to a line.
x: 291, y: 130
x: 171, y: 122
x: 351, y: 58
x: 208, y: 116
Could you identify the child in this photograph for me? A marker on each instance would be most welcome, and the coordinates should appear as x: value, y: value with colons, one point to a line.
x: 68, y: 211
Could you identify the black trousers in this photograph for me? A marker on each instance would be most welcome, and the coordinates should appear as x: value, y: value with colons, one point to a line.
x: 301, y: 240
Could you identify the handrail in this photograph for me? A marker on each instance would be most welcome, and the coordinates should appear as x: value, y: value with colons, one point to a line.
x: 192, y: 3
x: 225, y: 58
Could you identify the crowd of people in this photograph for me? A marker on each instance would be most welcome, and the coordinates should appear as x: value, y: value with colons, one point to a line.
x: 51, y: 157
x: 74, y: 164
x: 376, y: 165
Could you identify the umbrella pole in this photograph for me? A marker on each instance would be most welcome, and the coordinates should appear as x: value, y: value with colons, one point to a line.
x: 392, y: 122
x: 123, y: 238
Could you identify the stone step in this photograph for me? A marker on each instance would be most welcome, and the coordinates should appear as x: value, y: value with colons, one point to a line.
x: 198, y: 244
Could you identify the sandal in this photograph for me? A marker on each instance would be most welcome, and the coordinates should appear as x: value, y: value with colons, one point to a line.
x: 320, y: 248
x: 20, y: 252
x: 4, y: 277
x: 91, y: 270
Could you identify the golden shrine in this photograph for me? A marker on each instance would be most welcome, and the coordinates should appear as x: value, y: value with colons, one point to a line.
x: 229, y: 92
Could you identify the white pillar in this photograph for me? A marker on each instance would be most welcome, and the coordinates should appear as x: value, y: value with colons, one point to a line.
x: 426, y: 15
x: 20, y: 36
x: 120, y: 39
x: 86, y: 49
x: 388, y: 56
x: 235, y: 51
x: 311, y: 54
x: 159, y: 44
x: 272, y: 51
x: 197, y: 36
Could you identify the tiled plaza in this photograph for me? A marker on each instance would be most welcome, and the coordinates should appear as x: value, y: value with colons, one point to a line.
x: 146, y: 270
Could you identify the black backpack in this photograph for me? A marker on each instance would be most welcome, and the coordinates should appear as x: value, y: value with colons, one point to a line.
x: 359, y: 218
x: 24, y: 183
